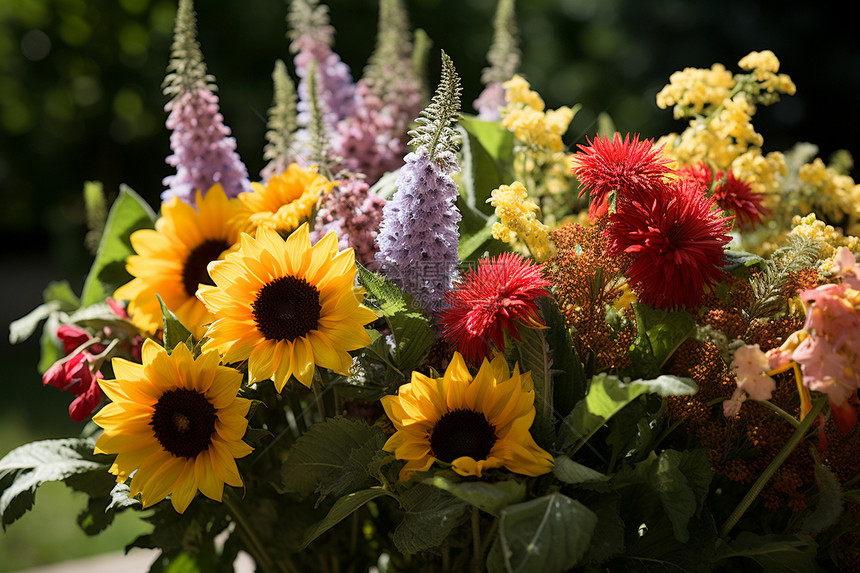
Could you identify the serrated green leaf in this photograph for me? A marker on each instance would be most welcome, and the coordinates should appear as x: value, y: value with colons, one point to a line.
x: 342, y: 509
x: 489, y: 497
x: 174, y: 331
x: 128, y: 213
x: 410, y: 328
x: 331, y: 458
x: 569, y: 471
x: 27, y: 467
x: 429, y: 515
x: 548, y: 534
x: 665, y: 330
x: 533, y: 355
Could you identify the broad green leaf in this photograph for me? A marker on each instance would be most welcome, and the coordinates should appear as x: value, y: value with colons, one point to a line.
x: 480, y: 173
x: 429, y: 516
x: 331, y: 458
x: 548, y: 534
x: 489, y: 497
x: 174, y: 331
x: 342, y: 509
x: 773, y: 553
x: 495, y: 138
x: 25, y: 468
x: 676, y: 495
x: 533, y: 355
x: 664, y: 330
x: 607, y: 395
x: 471, y: 244
x: 828, y: 503
x: 569, y: 471
x: 569, y: 382
x: 735, y: 259
x: 410, y: 328
x: 128, y: 213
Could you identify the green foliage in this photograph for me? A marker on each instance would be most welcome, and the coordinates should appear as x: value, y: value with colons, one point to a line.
x: 174, y: 331
x: 573, y: 473
x: 429, y: 516
x: 410, y: 328
x: 95, y: 203
x: 282, y: 121
x: 332, y: 458
x: 27, y: 467
x: 773, y: 553
x: 607, y: 396
x: 547, y: 534
x: 435, y: 125
x: 489, y: 497
x: 828, y: 507
x: 186, y: 71
x: 769, y: 288
x: 659, y: 334
x: 129, y: 213
x: 342, y: 509
x: 504, y: 53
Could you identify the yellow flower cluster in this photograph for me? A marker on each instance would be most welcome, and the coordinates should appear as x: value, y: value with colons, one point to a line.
x: 518, y: 219
x: 835, y: 194
x: 828, y: 238
x: 525, y: 116
x: 764, y: 66
x: 721, y: 107
x: 694, y: 89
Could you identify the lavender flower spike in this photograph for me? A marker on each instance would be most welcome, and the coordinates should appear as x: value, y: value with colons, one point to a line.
x: 203, y: 152
x: 418, y: 237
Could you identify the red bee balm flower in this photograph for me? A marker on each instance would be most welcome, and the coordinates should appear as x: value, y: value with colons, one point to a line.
x: 633, y: 169
x: 731, y: 194
x: 676, y: 238
x: 496, y: 296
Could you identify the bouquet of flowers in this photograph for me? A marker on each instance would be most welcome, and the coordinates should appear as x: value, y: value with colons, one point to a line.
x: 432, y: 340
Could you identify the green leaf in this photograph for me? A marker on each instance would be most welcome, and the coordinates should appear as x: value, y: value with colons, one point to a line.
x: 828, y: 505
x: 174, y: 331
x: 676, y: 496
x: 129, y: 213
x: 331, y: 458
x: 655, y: 549
x: 480, y: 171
x: 569, y: 382
x: 662, y: 331
x: 25, y: 468
x: 607, y: 395
x: 472, y: 244
x: 341, y: 509
x: 733, y: 260
x: 533, y: 355
x: 489, y: 497
x: 774, y: 553
x: 548, y: 534
x: 496, y: 139
x: 569, y: 471
x: 410, y: 327
x: 608, y: 538
x: 429, y: 515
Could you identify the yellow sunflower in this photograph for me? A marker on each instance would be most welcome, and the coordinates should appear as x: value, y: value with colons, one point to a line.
x: 175, y: 420
x: 286, y: 306
x: 287, y: 200
x: 171, y: 260
x: 472, y: 423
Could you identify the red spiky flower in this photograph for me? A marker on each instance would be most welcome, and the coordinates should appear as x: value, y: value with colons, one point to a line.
x: 496, y: 296
x: 631, y: 168
x: 676, y: 238
x: 731, y: 194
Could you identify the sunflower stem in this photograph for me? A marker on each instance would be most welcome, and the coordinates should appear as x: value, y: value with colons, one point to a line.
x: 781, y: 456
x: 255, y: 547
x: 476, y: 540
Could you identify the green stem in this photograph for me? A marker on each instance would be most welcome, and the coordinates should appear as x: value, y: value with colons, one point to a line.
x: 254, y: 545
x: 799, y: 434
x: 779, y: 411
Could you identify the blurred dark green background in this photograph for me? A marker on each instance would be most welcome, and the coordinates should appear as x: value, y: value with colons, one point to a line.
x: 80, y: 100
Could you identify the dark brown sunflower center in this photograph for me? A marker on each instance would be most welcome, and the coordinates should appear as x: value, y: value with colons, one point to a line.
x: 194, y: 271
x: 183, y: 422
x: 462, y: 433
x: 287, y: 308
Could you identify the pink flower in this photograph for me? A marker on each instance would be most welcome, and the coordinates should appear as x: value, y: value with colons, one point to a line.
x: 847, y: 268
x: 750, y: 365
